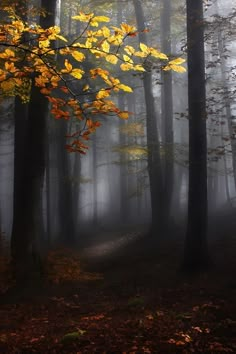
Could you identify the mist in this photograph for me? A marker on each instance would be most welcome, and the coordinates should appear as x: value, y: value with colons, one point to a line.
x: 118, y: 173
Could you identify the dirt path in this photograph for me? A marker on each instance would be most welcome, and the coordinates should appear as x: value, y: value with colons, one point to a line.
x: 108, y: 243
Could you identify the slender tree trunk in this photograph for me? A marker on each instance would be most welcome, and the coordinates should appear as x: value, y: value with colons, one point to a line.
x: 228, y: 113
x: 48, y: 186
x: 65, y: 203
x: 95, y: 181
x: 154, y: 160
x: 196, y: 253
x: 76, y: 188
x: 167, y: 111
x: 123, y: 169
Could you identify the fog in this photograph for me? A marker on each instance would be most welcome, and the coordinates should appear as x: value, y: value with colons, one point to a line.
x: 117, y: 155
x: 117, y: 176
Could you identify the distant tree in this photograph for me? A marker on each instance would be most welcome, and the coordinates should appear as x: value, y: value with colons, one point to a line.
x: 154, y: 159
x: 167, y: 112
x: 155, y: 170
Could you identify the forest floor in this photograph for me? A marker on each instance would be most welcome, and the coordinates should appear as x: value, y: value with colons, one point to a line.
x: 125, y: 296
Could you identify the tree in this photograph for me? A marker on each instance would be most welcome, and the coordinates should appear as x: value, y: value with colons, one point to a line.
x: 167, y: 112
x: 153, y: 144
x: 196, y: 254
x: 29, y: 169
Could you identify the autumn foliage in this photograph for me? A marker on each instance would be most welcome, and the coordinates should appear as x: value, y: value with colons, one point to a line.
x: 73, y: 74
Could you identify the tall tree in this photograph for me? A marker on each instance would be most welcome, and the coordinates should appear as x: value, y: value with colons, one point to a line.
x: 196, y: 253
x: 154, y: 159
x: 167, y: 111
x: 29, y: 168
x: 65, y: 188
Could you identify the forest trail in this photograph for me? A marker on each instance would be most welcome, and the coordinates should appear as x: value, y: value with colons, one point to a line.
x: 108, y: 243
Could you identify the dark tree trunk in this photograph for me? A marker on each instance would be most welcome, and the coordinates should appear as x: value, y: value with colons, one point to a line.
x: 196, y: 253
x: 95, y: 181
x: 76, y: 188
x: 27, y: 222
x: 167, y: 112
x: 65, y: 203
x: 123, y: 169
x: 48, y: 186
x: 226, y: 92
x: 154, y: 160
x: 29, y: 168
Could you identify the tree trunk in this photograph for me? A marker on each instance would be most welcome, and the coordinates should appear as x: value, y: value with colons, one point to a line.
x: 231, y: 124
x: 167, y: 112
x: 65, y: 203
x: 29, y: 168
x: 76, y: 188
x: 154, y: 160
x: 196, y: 252
x: 95, y: 182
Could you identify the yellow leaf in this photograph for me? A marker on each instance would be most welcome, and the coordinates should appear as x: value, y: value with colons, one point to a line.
x: 101, y: 72
x: 105, y: 46
x: 111, y: 58
x: 95, y: 20
x: 125, y: 88
x: 44, y: 43
x: 126, y: 67
x: 127, y: 59
x: 167, y: 68
x: 83, y: 17
x: 129, y: 50
x: 105, y: 31
x: 19, y: 25
x: 78, y: 56
x: 123, y: 115
x: 156, y: 54
x: 61, y: 37
x: 117, y: 39
x: 8, y: 53
x: 68, y: 67
x: 144, y: 48
x: 102, y: 94
x: 127, y: 28
x: 140, y: 54
x: 10, y: 67
x: 97, y: 53
x: 54, y: 80
x: 177, y: 61
x: 178, y: 68
x: 2, y: 75
x: 65, y: 51
x: 139, y: 67
x: 77, y: 73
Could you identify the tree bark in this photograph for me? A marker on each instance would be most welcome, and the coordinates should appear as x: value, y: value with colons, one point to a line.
x: 196, y: 252
x: 65, y: 203
x: 167, y: 112
x: 29, y: 169
x: 153, y: 144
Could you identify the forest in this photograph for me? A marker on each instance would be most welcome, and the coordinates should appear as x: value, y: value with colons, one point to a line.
x: 117, y: 176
